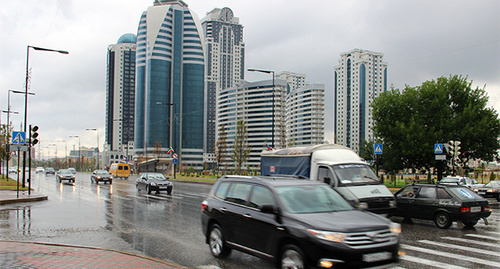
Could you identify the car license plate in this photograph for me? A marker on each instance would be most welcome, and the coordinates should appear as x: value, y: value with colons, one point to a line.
x: 378, y: 256
x: 482, y: 192
x: 475, y: 209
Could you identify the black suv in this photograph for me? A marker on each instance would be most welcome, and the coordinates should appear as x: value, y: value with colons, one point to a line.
x: 296, y: 223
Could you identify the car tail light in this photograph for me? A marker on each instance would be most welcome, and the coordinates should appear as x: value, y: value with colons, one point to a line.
x: 486, y: 208
x: 465, y: 210
x: 203, y: 205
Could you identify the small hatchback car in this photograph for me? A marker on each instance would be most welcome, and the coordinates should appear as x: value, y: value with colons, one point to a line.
x: 441, y: 203
x: 101, y: 175
x: 296, y: 223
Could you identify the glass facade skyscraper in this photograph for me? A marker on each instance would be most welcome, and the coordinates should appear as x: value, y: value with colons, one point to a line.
x: 170, y: 82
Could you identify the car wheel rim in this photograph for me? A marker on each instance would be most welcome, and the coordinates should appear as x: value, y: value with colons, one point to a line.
x: 442, y: 220
x: 292, y: 260
x: 216, y: 242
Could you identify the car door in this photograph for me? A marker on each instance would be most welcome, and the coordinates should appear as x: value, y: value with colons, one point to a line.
x: 426, y: 202
x: 234, y: 209
x: 261, y: 228
x: 406, y: 201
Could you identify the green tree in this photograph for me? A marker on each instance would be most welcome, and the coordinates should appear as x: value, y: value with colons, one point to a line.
x: 5, y: 136
x: 411, y: 121
x: 241, y: 149
x: 221, y: 149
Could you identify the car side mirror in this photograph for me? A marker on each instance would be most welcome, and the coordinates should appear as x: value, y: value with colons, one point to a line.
x: 269, y: 209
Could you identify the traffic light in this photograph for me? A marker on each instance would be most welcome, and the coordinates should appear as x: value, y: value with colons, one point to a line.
x: 454, y: 148
x: 34, y: 135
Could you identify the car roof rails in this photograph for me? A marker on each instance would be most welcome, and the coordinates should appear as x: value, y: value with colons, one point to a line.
x: 283, y: 176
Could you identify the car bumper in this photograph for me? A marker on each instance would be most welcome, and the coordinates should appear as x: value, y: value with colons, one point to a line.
x: 471, y: 216
x: 342, y: 256
x: 161, y: 188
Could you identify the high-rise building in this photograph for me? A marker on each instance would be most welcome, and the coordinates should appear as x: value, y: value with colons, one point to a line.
x: 294, y: 80
x: 360, y: 77
x: 253, y: 103
x: 305, y: 115
x: 120, y: 97
x: 225, y: 59
x: 170, y: 83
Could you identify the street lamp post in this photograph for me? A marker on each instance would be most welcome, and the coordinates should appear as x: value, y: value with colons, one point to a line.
x: 8, y: 120
x: 26, y: 98
x: 173, y: 142
x: 79, y: 157
x: 65, y: 150
x: 97, y: 130
x: 267, y: 72
x: 55, y: 152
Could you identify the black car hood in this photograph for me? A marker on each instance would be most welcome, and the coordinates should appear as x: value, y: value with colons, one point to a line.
x: 343, y: 221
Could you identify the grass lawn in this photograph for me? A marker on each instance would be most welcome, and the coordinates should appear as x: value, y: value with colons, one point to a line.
x: 10, y: 184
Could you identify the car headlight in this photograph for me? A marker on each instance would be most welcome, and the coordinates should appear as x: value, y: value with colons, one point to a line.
x: 392, y: 203
x: 330, y: 236
x: 395, y: 228
x: 152, y: 184
x: 363, y: 205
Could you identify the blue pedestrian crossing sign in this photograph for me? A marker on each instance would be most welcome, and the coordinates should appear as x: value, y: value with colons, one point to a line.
x: 378, y: 148
x: 438, y: 148
x: 18, y: 138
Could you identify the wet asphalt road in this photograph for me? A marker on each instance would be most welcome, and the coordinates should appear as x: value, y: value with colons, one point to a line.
x: 168, y: 226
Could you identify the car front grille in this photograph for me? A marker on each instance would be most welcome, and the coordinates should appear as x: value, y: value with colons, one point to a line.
x: 369, y: 239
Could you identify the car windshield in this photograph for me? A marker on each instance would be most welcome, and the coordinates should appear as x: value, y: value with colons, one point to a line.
x: 156, y: 176
x: 311, y: 199
x: 102, y: 172
x: 65, y: 172
x: 493, y: 184
x: 355, y: 174
x: 50, y: 169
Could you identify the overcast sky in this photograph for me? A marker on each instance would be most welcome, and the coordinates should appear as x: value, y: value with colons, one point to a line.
x: 420, y: 40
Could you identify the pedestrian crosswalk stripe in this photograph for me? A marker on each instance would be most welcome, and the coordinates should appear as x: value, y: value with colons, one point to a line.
x: 429, y: 262
x: 477, y: 250
x: 483, y: 237
x: 469, y: 241
x: 451, y: 255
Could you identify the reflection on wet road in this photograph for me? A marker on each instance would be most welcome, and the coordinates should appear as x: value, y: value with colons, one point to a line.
x: 168, y: 226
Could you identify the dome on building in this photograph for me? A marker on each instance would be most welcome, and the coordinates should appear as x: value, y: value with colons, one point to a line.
x: 126, y: 38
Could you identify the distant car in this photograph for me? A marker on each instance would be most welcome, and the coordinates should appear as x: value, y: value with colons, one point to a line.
x: 65, y: 174
x: 40, y: 169
x: 101, y: 175
x: 295, y: 223
x: 50, y: 170
x: 490, y: 190
x: 463, y: 181
x: 441, y: 203
x: 154, y: 182
x: 12, y: 170
x: 73, y: 170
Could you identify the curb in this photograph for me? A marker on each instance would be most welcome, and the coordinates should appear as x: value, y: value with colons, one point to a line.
x: 170, y: 264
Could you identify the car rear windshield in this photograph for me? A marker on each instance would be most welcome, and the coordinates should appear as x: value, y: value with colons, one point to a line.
x: 493, y: 184
x: 465, y: 194
x: 311, y: 199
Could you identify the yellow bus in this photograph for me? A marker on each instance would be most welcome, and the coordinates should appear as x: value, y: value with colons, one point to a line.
x: 121, y: 170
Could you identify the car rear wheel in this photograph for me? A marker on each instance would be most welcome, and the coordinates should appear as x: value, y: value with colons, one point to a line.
x: 292, y: 258
x: 216, y: 242
x: 442, y: 220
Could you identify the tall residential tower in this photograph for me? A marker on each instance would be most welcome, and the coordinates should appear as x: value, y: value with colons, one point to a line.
x: 170, y: 82
x: 120, y: 98
x: 360, y: 77
x: 225, y: 59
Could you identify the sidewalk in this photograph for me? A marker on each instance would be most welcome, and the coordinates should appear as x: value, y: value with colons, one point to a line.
x: 9, y: 197
x: 15, y: 254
